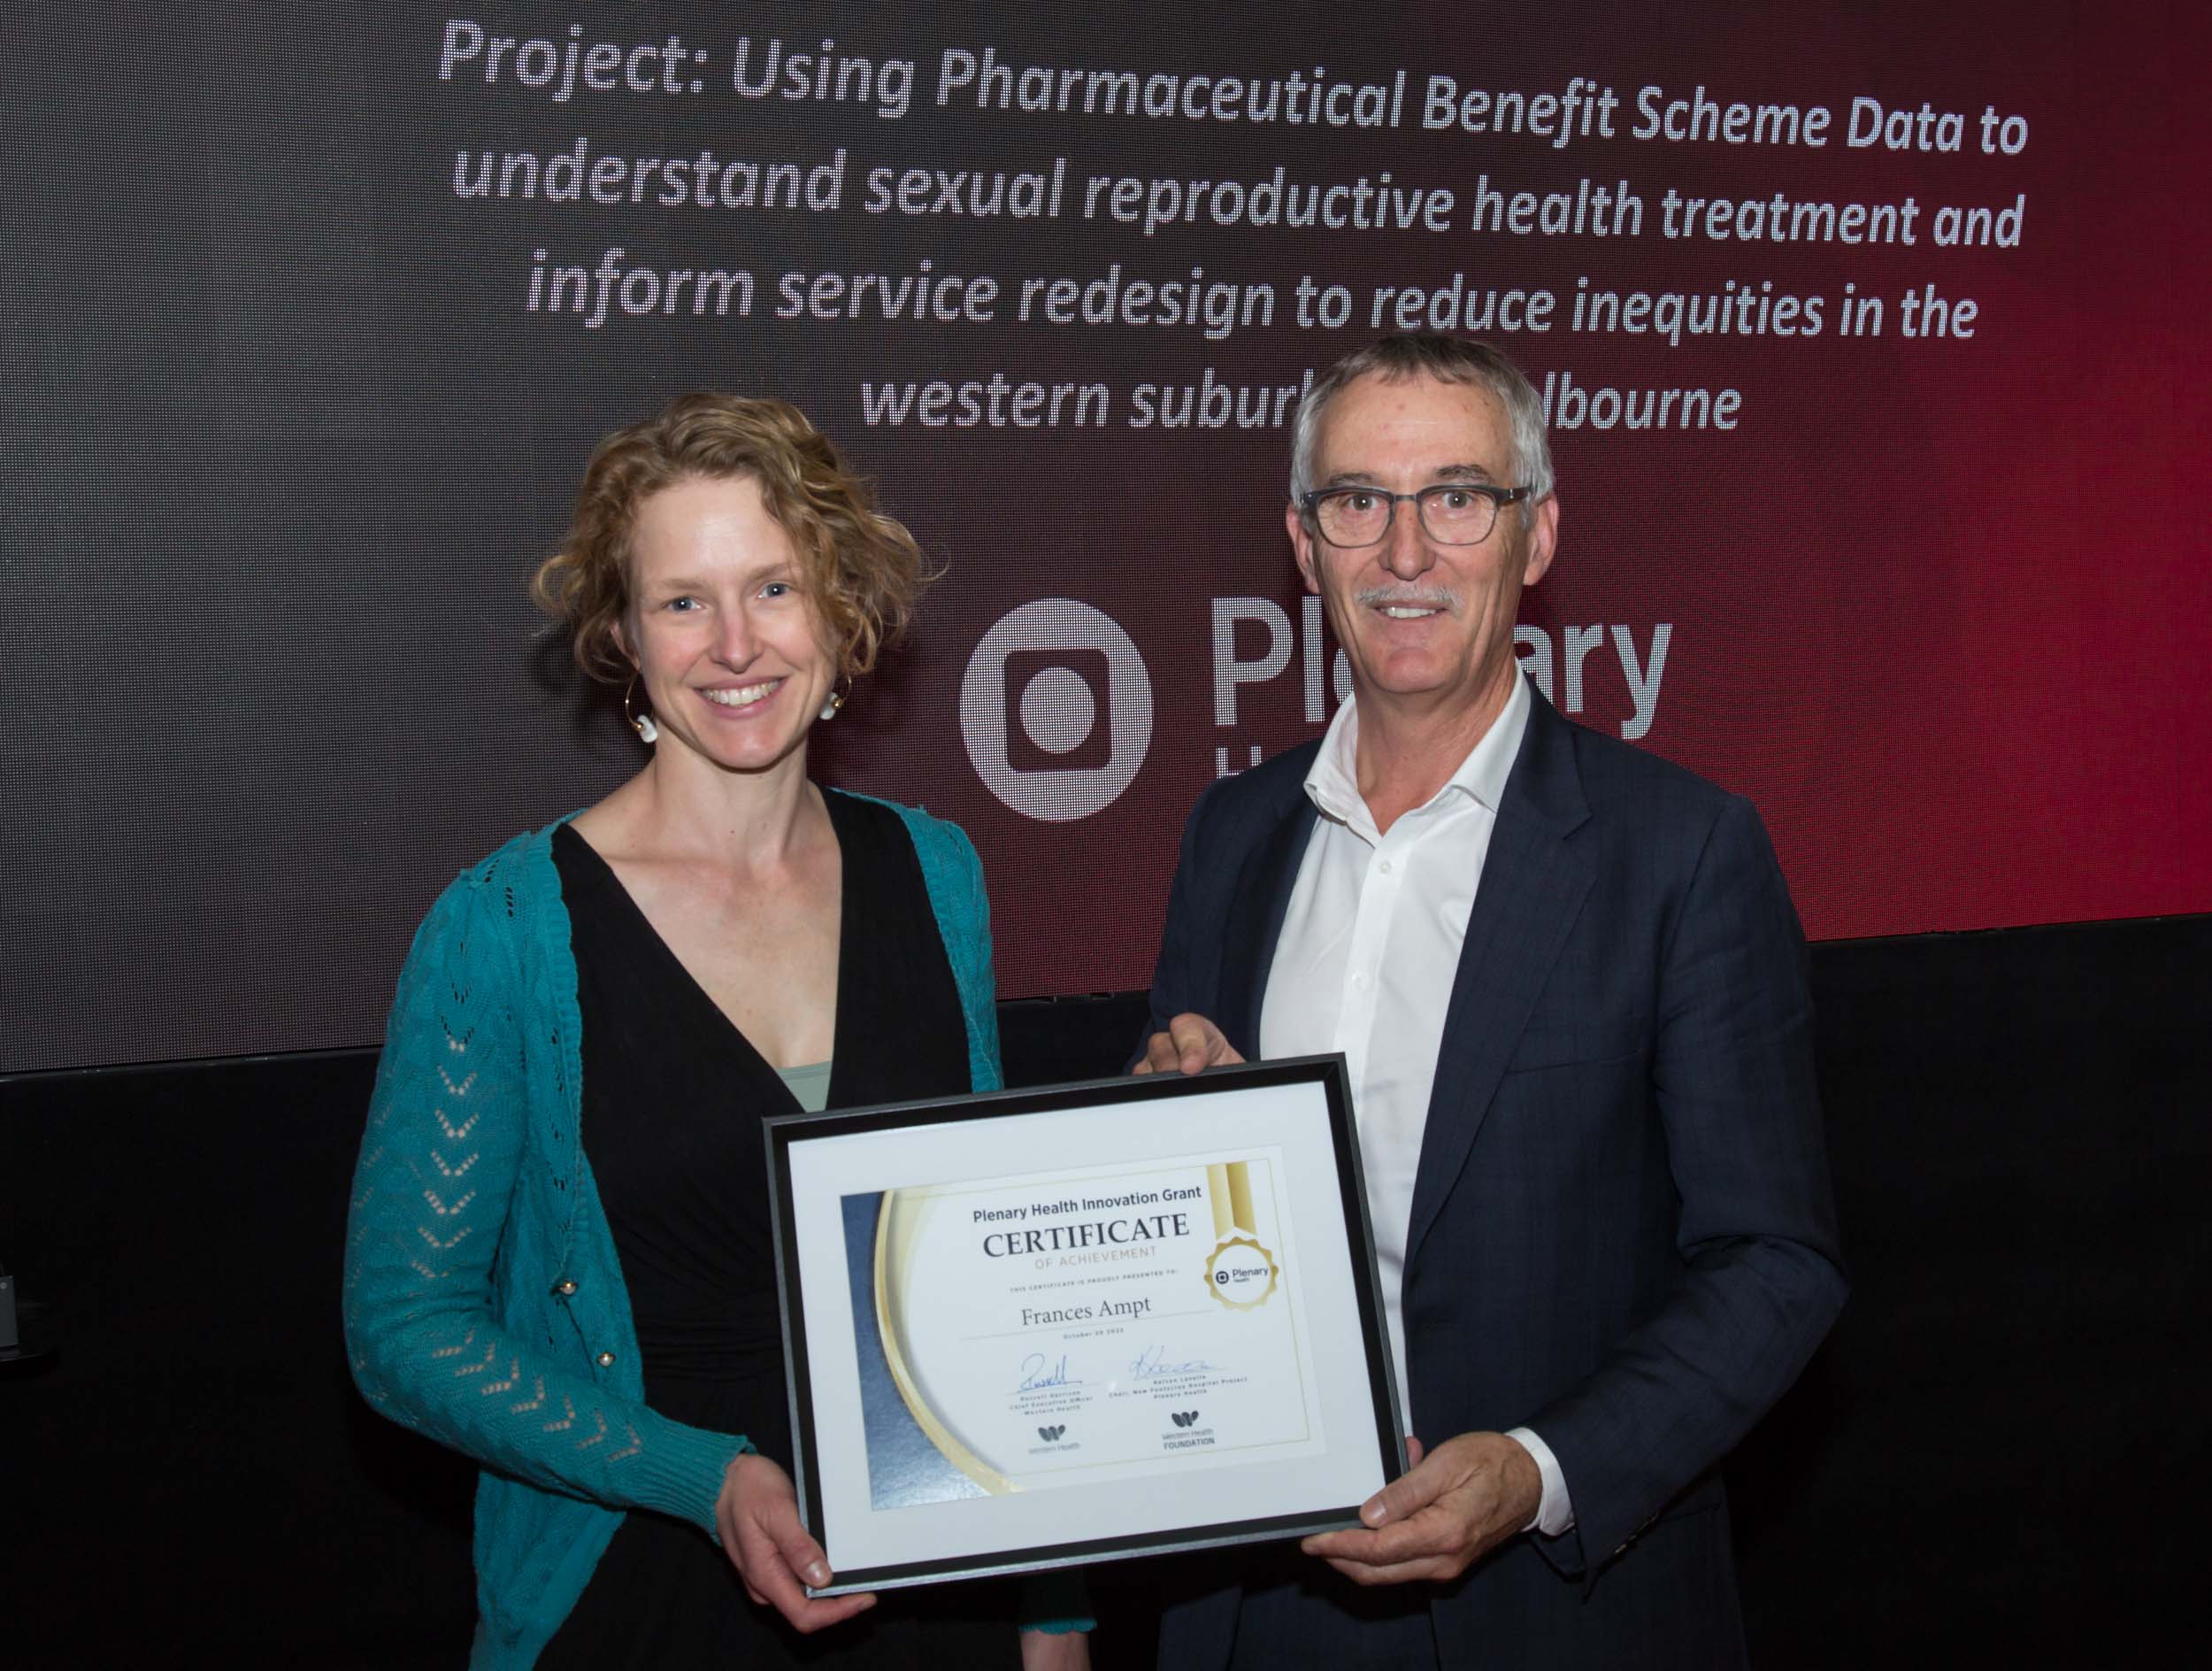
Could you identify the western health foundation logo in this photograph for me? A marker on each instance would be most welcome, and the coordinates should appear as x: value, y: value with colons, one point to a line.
x: 1056, y: 710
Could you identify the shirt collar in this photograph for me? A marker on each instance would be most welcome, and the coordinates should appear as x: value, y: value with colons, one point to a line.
x: 1332, y: 782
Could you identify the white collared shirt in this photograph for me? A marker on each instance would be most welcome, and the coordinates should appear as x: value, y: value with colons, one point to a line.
x: 1368, y: 950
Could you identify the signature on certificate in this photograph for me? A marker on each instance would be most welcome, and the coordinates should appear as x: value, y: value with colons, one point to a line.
x: 1036, y: 1373
x: 1153, y: 1361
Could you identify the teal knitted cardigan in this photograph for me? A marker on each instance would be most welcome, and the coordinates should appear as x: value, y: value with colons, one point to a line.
x: 484, y: 1302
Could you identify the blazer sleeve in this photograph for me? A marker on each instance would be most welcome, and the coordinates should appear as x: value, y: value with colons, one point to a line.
x: 429, y: 1217
x: 1762, y: 1274
x: 1182, y: 979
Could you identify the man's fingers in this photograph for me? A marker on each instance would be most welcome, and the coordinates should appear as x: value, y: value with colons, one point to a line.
x: 1188, y: 1033
x: 1411, y: 1572
x: 1414, y: 1451
x: 1200, y: 1044
x: 1407, y: 1495
x: 1407, y: 1540
x: 1190, y: 1045
x: 1162, y: 1053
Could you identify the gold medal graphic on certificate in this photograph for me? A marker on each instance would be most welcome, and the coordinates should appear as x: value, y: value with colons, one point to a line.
x: 1053, y: 1329
x: 1239, y: 1272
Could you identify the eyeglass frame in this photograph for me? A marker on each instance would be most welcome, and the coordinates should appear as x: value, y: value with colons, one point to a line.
x: 1310, y: 502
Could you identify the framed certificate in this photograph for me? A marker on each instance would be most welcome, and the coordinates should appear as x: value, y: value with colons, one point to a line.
x: 1080, y: 1322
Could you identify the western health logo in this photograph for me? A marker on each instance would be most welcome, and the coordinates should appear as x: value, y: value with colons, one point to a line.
x: 1056, y: 709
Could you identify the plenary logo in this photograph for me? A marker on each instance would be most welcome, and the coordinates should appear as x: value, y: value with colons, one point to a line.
x: 1241, y: 1274
x: 1056, y: 710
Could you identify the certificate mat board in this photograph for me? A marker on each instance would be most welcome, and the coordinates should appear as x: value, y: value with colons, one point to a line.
x: 1080, y: 1322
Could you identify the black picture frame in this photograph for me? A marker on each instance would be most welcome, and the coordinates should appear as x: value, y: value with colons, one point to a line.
x: 1325, y: 1074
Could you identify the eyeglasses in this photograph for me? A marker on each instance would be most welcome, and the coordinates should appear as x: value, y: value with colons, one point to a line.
x: 1451, y: 512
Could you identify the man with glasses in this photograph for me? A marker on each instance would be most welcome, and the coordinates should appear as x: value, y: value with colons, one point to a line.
x: 1570, y: 987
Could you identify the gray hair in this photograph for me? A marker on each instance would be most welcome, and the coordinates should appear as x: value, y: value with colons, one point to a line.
x: 1449, y: 360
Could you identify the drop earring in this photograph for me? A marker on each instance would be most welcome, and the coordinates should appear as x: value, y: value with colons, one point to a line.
x: 829, y: 708
x: 641, y: 723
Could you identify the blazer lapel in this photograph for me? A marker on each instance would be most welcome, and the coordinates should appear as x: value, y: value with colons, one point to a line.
x: 1256, y: 923
x: 1532, y: 889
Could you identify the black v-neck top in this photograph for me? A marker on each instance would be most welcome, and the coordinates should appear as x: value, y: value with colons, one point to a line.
x: 673, y: 1096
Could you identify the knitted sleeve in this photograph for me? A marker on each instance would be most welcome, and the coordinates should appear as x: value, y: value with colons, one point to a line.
x: 954, y: 875
x: 431, y: 1213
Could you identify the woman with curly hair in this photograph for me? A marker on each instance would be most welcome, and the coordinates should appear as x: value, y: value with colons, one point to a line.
x: 559, y: 1256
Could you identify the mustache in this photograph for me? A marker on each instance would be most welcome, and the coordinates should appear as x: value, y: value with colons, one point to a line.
x: 1407, y: 597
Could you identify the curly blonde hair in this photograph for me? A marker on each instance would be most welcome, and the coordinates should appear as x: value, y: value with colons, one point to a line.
x: 862, y: 571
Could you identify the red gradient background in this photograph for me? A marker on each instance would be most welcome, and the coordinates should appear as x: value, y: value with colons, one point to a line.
x: 1940, y: 607
x: 285, y: 445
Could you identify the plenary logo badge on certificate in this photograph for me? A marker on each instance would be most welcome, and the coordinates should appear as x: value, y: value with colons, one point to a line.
x: 1053, y: 1329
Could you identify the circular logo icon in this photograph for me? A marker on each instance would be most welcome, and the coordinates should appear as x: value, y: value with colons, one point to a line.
x: 1241, y: 1274
x: 1056, y: 710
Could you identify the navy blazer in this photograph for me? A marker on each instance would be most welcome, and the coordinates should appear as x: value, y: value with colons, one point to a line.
x: 1623, y: 1234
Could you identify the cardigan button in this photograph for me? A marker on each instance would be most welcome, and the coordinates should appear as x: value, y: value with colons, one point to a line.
x: 565, y: 1286
x: 606, y: 1360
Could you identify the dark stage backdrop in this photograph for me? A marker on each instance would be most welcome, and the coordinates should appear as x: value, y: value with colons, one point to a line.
x: 1872, y: 335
